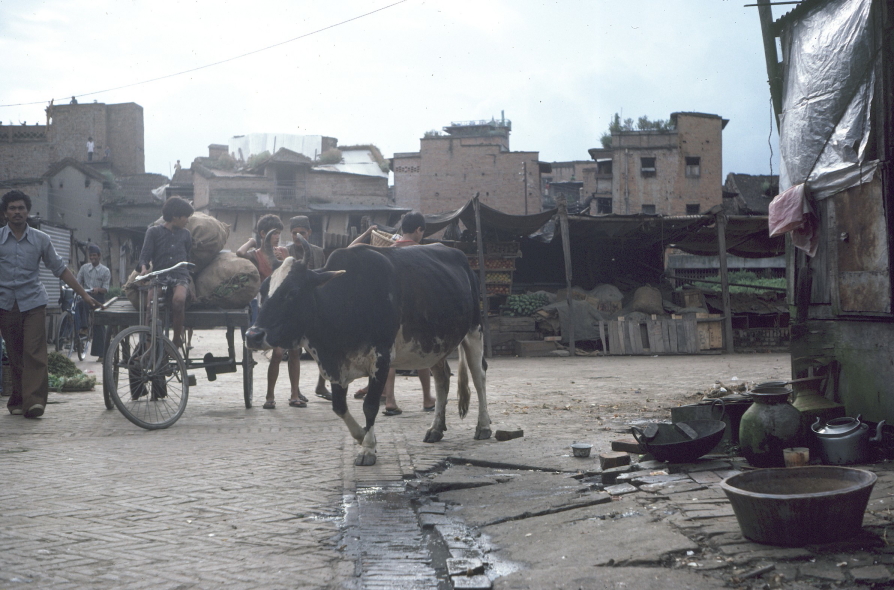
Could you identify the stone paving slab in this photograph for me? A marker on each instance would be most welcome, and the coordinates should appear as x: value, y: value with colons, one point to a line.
x: 570, y: 537
x: 528, y: 494
x: 573, y: 575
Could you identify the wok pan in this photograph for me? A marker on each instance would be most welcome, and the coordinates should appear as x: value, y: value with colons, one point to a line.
x: 671, y: 444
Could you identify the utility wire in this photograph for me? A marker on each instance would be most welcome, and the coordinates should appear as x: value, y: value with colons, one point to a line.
x: 217, y: 63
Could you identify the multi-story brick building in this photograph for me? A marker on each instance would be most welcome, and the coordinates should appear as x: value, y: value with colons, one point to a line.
x: 468, y: 158
x: 286, y: 184
x: 27, y: 151
x: 675, y: 172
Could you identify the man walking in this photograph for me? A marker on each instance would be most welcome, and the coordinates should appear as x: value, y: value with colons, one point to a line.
x: 316, y: 258
x: 23, y: 303
x: 95, y: 277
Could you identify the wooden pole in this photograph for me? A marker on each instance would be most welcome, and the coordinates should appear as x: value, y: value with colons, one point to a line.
x: 566, y: 250
x: 525, y: 184
x: 724, y: 283
x: 476, y: 205
x: 765, y: 14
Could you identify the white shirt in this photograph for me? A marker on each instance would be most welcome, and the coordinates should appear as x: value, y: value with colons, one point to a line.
x: 89, y: 146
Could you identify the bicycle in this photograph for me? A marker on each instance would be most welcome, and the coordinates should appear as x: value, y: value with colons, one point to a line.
x: 144, y: 374
x: 70, y: 336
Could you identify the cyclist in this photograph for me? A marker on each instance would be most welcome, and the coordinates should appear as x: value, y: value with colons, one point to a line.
x: 164, y: 246
x: 95, y: 277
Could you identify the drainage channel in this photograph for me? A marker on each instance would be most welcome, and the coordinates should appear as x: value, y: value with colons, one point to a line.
x: 389, y: 548
x: 401, y: 539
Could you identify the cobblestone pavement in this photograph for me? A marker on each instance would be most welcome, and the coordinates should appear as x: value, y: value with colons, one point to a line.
x: 255, y: 498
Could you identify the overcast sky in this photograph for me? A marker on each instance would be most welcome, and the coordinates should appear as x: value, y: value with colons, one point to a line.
x: 558, y: 69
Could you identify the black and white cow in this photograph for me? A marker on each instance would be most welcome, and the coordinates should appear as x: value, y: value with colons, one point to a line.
x: 370, y: 309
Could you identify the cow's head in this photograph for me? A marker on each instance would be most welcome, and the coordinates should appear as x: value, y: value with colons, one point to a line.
x: 287, y: 297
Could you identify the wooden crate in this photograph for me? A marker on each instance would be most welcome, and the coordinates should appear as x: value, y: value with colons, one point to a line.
x: 655, y: 336
x: 710, y: 331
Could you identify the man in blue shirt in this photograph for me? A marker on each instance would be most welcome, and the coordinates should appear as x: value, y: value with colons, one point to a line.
x: 23, y: 303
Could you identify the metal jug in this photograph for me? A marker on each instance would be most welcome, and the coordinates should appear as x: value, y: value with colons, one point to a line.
x: 844, y: 441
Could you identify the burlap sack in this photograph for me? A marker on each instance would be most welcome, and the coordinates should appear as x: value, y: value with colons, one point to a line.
x: 131, y: 291
x: 228, y: 282
x: 647, y: 299
x: 209, y: 236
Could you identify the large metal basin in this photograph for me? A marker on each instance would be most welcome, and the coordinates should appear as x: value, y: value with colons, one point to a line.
x: 671, y: 445
x: 800, y: 506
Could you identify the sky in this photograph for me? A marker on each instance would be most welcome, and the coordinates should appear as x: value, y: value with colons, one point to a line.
x: 386, y: 71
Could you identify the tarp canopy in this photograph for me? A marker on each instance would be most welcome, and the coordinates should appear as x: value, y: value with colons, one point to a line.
x: 518, y: 225
x: 747, y: 237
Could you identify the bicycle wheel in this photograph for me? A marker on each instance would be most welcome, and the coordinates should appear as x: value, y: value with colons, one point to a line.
x: 80, y: 345
x: 149, y: 387
x: 63, y: 336
x: 113, y: 358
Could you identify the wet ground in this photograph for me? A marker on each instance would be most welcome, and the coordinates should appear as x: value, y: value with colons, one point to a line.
x: 271, y: 498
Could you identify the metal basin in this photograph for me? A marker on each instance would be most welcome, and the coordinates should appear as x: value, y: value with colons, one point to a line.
x: 669, y: 444
x: 800, y: 505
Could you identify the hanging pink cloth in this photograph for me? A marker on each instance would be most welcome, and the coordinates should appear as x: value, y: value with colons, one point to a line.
x: 790, y: 211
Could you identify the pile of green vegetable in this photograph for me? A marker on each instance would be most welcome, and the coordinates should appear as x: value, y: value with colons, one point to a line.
x: 65, y: 376
x: 525, y: 305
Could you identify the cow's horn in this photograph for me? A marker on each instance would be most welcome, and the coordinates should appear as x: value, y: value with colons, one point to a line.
x: 306, y: 247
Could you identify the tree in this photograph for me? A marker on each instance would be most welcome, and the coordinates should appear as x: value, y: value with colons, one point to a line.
x: 616, y: 125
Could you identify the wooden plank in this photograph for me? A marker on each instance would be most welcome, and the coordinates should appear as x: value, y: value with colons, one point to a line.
x: 602, y: 337
x: 656, y: 336
x: 636, y: 341
x: 613, y: 346
x: 622, y: 341
x: 672, y: 336
x: 692, y: 345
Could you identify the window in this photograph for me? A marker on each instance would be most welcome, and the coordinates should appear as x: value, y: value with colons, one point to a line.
x: 693, y: 167
x: 647, y: 167
x: 649, y: 209
x: 603, y: 205
x: 693, y: 209
x: 604, y: 167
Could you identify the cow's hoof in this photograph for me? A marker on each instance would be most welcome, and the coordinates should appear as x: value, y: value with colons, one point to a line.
x: 482, y: 433
x: 365, y: 460
x: 433, y: 436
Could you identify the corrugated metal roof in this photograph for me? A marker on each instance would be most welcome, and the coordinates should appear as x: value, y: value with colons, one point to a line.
x: 356, y: 162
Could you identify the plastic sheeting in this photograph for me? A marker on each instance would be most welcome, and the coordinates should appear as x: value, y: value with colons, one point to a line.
x: 828, y: 65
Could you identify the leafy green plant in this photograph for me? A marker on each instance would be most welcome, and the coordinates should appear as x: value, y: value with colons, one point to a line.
x: 616, y: 125
x: 742, y: 277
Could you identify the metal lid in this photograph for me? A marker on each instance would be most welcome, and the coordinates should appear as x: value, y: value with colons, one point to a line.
x: 837, y: 426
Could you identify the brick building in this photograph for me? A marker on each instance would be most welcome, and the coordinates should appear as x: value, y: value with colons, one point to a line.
x: 676, y: 172
x: 28, y: 151
x: 287, y: 184
x: 468, y: 158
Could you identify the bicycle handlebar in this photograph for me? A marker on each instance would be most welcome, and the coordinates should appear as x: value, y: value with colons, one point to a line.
x: 188, y: 265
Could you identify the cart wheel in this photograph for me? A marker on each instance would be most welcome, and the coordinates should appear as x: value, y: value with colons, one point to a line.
x: 248, y: 365
x: 151, y: 390
x: 64, y: 334
x: 113, y: 359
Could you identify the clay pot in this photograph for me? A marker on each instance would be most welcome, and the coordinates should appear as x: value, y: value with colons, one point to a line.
x: 768, y: 426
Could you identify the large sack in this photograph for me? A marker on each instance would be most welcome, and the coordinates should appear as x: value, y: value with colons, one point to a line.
x: 131, y: 291
x: 648, y: 300
x: 608, y: 298
x: 228, y: 282
x: 209, y: 236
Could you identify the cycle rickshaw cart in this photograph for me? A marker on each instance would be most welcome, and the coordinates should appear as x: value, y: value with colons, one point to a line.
x: 145, y: 376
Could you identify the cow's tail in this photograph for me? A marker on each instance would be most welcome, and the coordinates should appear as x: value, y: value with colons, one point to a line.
x: 462, y: 383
